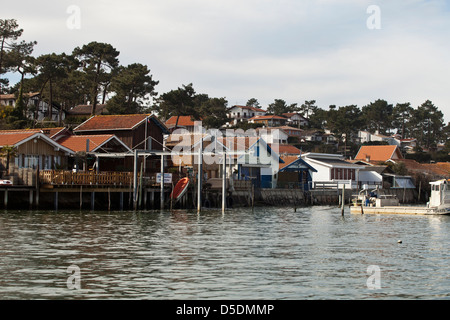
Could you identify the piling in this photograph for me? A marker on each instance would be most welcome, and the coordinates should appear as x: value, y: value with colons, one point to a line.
x: 81, y: 197
x: 92, y: 201
x: 162, y: 183
x: 224, y: 182
x: 200, y: 178
x: 30, y: 197
x: 253, y: 196
x: 56, y: 201
x: 6, y: 198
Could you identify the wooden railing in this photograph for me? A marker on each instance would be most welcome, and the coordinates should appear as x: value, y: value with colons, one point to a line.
x: 59, y: 177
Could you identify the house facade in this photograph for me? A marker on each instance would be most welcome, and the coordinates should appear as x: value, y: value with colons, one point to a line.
x: 136, y: 131
x: 37, y: 108
x: 82, y: 145
x: 272, y: 135
x: 34, y: 150
x: 296, y: 120
x: 295, y: 173
x: 238, y: 113
x: 332, y: 170
x: 260, y: 165
x: 269, y: 121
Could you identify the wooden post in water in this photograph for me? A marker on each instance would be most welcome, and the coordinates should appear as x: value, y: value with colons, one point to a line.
x: 92, y: 201
x: 145, y: 198
x: 295, y: 200
x: 152, y: 199
x: 56, y: 201
x: 343, y: 200
x: 109, y: 199
x: 135, y: 178
x: 81, y: 197
x: 162, y: 183
x: 200, y: 178
x: 140, y: 184
x: 37, y: 187
x: 6, y: 198
x: 31, y: 199
x: 253, y: 196
x: 224, y: 182
x: 171, y: 198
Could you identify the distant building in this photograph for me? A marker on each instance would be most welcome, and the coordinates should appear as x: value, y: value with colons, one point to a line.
x: 379, y: 154
x: 269, y: 121
x: 272, y: 135
x: 332, y: 169
x: 38, y: 109
x: 136, y: 131
x: 296, y: 119
x: 181, y: 122
x: 238, y: 114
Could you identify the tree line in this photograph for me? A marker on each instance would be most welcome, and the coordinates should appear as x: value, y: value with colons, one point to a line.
x: 92, y: 74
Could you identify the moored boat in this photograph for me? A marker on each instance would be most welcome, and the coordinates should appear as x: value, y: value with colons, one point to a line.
x: 371, y: 203
x: 180, y: 189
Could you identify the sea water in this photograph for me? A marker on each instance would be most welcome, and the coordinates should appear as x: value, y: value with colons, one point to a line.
x: 265, y: 253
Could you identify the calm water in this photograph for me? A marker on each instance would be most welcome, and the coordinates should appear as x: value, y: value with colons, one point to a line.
x: 273, y: 253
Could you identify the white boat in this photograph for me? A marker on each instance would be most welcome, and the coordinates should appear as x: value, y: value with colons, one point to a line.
x: 372, y: 203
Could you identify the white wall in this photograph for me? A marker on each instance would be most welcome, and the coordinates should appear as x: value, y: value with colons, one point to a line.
x: 370, y: 176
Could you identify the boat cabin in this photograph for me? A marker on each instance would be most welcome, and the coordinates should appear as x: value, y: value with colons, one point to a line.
x: 440, y: 193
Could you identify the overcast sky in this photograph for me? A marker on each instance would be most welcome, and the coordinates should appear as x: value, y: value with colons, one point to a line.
x: 333, y: 51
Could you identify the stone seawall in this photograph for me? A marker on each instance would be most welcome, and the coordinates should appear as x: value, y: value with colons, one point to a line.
x: 289, y: 197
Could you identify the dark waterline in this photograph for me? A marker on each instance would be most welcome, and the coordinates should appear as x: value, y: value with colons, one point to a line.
x: 271, y: 253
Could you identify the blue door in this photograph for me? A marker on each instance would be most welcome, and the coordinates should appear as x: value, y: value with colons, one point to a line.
x: 266, y: 182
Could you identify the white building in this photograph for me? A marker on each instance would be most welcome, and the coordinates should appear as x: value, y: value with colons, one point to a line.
x: 37, y: 108
x: 243, y: 113
x: 332, y: 171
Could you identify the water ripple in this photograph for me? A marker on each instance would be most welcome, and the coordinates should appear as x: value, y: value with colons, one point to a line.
x: 272, y: 253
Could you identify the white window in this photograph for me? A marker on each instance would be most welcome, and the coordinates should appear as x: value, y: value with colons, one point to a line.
x: 57, y: 160
x: 31, y: 161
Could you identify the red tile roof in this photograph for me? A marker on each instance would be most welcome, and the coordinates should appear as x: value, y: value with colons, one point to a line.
x: 287, y: 160
x: 440, y: 169
x: 378, y: 153
x: 112, y: 122
x: 287, y: 149
x: 78, y: 143
x: 268, y: 118
x: 13, y: 138
x: 49, y: 132
x: 184, y: 121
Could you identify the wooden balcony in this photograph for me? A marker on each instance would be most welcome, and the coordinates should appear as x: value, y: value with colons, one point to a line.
x: 90, y: 178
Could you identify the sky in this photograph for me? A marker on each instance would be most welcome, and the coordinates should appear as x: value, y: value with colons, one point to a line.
x: 337, y: 52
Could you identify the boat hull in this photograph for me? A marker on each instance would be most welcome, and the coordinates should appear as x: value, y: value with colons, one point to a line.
x: 180, y: 189
x: 399, y: 210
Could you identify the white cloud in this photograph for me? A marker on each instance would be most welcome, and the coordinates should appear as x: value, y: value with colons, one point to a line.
x: 266, y: 49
